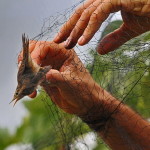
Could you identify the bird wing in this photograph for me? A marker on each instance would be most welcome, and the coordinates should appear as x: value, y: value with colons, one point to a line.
x: 41, y: 73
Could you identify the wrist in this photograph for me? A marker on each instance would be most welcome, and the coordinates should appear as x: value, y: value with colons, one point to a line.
x: 101, y: 112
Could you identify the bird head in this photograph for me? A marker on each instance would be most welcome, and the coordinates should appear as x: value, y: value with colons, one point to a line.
x: 23, y: 90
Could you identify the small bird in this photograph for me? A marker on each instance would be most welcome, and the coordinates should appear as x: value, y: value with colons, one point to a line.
x: 30, y: 74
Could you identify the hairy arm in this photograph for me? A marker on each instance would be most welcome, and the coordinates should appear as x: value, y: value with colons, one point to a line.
x: 119, y: 126
x: 128, y: 131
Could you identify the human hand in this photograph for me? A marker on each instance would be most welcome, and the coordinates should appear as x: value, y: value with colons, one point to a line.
x: 71, y: 86
x: 39, y: 57
x: 88, y: 17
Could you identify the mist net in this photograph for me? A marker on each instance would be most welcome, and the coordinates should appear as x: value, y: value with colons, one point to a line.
x: 125, y: 73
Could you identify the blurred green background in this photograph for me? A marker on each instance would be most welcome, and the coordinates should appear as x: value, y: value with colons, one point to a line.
x: 125, y: 73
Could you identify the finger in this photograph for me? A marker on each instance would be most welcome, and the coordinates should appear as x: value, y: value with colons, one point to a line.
x: 115, y: 39
x: 59, y: 100
x: 59, y: 79
x: 40, y: 51
x: 54, y: 77
x: 80, y: 25
x: 50, y: 53
x: 70, y: 24
x: 62, y: 82
x: 32, y: 44
x: 96, y: 19
x: 55, y: 95
x: 33, y: 95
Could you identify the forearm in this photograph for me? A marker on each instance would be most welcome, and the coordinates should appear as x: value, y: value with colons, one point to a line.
x: 119, y: 126
x: 128, y: 130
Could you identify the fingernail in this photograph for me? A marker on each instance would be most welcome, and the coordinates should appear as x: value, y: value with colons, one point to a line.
x: 81, y: 40
x: 67, y: 42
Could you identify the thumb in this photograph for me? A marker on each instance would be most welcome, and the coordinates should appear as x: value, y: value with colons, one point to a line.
x: 115, y: 39
x: 55, y: 77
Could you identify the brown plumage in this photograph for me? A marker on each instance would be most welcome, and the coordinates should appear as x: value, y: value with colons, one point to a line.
x: 30, y: 75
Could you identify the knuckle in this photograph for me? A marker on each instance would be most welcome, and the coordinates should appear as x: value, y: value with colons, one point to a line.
x: 94, y: 18
x: 86, y: 12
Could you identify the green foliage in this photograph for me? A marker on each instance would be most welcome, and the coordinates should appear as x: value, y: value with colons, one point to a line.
x: 147, y: 36
x: 101, y: 145
x: 46, y: 126
x: 5, y: 138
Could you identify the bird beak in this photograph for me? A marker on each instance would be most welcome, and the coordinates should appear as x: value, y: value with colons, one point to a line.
x: 14, y: 100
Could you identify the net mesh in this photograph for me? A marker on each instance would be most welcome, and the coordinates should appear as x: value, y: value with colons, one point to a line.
x: 123, y: 72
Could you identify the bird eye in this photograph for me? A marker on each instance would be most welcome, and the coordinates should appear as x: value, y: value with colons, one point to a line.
x: 17, y: 93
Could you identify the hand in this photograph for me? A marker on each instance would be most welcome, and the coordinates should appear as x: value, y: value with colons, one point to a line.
x: 88, y: 18
x: 71, y: 86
